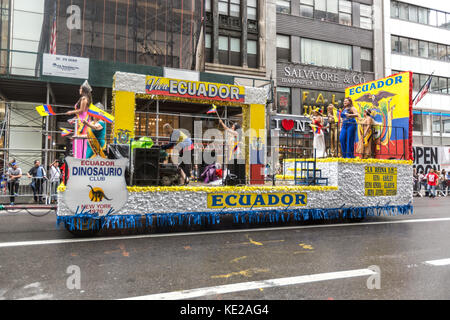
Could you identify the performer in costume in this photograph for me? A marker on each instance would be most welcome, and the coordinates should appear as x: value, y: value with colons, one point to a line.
x: 319, y: 139
x: 333, y: 130
x: 366, y: 142
x: 96, y: 134
x: 81, y: 112
x: 348, y: 129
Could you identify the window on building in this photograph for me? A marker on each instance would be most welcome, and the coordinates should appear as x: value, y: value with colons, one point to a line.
x: 423, y: 49
x: 404, y: 45
x: 442, y: 52
x: 416, y: 82
x: 320, y: 9
x: 328, y: 54
x: 413, y: 14
x: 345, y: 12
x: 252, y: 9
x: 394, y: 9
x: 417, y: 122
x: 307, y: 8
x: 448, y: 21
x: 208, y: 48
x: 426, y: 124
x: 432, y: 18
x: 229, y: 51
x: 446, y: 125
x: 423, y: 15
x: 432, y: 50
x: 283, y: 6
x: 436, y: 118
x: 208, y: 5
x: 365, y: 16
x: 443, y: 85
x: 283, y: 100
x: 441, y: 19
x: 283, y: 48
x: 435, y: 84
x: 230, y: 7
x: 423, y: 79
x: 252, y: 53
x: 366, y: 60
x: 395, y: 44
x: 403, y: 11
x: 413, y: 48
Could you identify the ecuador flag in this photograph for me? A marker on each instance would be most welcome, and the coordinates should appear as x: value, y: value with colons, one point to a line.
x: 45, y: 110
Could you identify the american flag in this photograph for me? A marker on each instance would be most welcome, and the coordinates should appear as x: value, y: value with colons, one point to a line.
x: 53, y: 36
x: 424, y: 90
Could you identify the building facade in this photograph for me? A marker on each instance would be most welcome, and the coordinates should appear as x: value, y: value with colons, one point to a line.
x: 417, y: 39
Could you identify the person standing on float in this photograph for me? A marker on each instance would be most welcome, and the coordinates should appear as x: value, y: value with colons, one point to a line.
x: 348, y: 129
x: 81, y: 112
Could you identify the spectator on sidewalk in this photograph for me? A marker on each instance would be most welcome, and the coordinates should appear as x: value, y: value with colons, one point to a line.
x: 37, y: 173
x: 55, y: 179
x: 432, y: 181
x: 14, y: 174
x: 422, y: 181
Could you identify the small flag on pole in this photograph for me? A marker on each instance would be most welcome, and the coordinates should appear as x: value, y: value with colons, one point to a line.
x: 65, y: 132
x: 212, y: 110
x: 99, y: 113
x: 45, y: 110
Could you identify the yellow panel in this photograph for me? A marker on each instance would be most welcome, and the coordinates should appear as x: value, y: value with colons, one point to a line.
x: 258, y: 120
x: 124, y: 113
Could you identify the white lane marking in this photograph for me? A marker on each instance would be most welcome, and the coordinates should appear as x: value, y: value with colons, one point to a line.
x: 246, y: 286
x: 200, y: 233
x: 440, y: 262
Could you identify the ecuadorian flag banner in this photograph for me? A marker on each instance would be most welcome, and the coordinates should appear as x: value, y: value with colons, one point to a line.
x: 45, y: 110
x: 390, y: 100
x: 100, y: 114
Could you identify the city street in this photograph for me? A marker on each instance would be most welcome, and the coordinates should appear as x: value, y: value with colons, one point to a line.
x: 402, y: 257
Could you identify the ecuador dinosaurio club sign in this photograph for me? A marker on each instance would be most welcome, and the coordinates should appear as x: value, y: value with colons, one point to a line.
x: 96, y: 186
x: 390, y: 102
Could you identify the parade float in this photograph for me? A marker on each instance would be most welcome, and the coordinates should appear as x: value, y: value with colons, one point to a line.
x: 97, y: 197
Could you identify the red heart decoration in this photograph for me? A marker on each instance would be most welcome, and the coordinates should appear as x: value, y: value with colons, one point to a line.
x: 288, y: 125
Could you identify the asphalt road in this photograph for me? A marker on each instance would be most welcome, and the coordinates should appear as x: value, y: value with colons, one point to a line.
x: 402, y: 257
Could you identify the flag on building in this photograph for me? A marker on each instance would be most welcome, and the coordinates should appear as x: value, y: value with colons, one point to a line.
x: 424, y: 90
x: 45, y: 110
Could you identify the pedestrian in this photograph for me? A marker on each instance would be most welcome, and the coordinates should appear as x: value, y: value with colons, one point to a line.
x: 14, y: 174
x: 37, y: 173
x: 55, y: 180
x: 432, y: 181
x: 444, y: 182
x: 422, y: 181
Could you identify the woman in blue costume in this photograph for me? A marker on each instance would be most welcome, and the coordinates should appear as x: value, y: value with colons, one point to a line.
x: 348, y: 129
x: 96, y: 135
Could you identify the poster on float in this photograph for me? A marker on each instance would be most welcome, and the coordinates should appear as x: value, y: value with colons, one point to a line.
x: 390, y: 100
x: 96, y: 186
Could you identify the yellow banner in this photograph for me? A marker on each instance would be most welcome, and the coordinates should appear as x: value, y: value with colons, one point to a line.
x: 194, y: 89
x: 380, y: 181
x: 255, y: 200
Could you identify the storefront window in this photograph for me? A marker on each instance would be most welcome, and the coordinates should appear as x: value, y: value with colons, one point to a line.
x: 283, y: 100
x: 312, y: 99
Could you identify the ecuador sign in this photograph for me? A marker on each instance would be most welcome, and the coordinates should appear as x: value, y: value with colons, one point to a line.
x: 96, y: 186
x: 390, y: 99
x: 380, y: 181
x: 194, y: 89
x: 256, y: 200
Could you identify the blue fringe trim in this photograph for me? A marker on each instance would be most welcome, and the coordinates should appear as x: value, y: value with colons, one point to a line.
x: 94, y: 222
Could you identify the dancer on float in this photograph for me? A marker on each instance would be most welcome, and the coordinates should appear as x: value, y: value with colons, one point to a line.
x: 348, y: 129
x: 81, y: 112
x: 366, y: 135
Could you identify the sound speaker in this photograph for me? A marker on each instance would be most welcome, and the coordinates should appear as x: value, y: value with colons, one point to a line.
x: 146, y: 166
x: 238, y: 170
x: 118, y: 151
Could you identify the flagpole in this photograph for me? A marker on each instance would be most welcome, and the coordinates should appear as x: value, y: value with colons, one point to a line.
x: 420, y: 90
